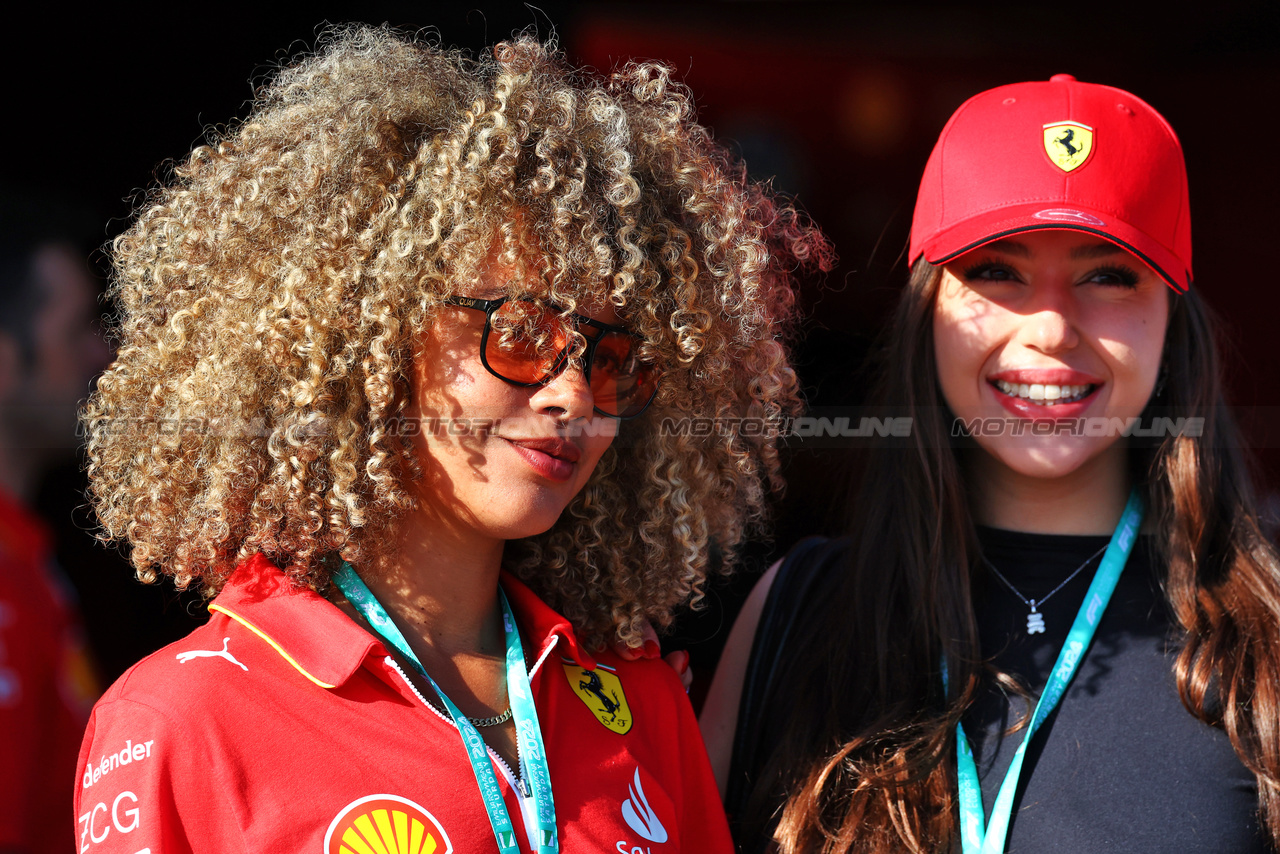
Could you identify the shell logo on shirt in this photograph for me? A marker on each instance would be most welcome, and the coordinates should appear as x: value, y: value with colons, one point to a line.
x: 601, y: 690
x: 385, y: 824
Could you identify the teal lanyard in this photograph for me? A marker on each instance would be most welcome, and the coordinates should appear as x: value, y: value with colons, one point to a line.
x: 533, y: 757
x: 989, y: 839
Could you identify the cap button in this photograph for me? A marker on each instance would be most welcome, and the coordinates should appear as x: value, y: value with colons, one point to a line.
x: 1063, y: 78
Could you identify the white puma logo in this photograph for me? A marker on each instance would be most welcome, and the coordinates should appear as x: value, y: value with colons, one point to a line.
x: 184, y: 657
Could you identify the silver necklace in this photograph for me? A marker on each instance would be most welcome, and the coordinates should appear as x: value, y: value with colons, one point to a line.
x: 493, y: 721
x: 1035, y: 620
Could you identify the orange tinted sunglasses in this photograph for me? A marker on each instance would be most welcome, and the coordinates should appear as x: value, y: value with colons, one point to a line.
x: 532, y: 348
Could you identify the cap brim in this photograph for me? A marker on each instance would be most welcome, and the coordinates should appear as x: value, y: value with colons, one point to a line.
x: 1005, y: 222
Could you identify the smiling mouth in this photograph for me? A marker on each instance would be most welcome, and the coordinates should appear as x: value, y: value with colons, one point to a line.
x: 1043, y: 394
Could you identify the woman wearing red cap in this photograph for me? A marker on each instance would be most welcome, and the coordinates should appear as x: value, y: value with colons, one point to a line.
x: 395, y: 358
x: 1055, y: 621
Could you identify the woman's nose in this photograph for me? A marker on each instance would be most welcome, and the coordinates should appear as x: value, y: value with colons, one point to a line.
x: 1051, y: 325
x: 568, y: 395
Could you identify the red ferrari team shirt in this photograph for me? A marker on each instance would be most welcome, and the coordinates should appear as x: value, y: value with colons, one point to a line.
x: 281, y: 725
x: 46, y: 688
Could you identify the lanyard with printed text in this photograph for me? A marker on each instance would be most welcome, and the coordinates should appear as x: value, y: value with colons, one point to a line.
x: 976, y: 835
x: 533, y: 757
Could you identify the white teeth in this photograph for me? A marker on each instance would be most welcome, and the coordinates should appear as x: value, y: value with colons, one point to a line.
x: 1044, y: 393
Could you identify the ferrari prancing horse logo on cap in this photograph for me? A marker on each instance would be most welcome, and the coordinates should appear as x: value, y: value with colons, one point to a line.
x: 385, y: 823
x: 1068, y: 144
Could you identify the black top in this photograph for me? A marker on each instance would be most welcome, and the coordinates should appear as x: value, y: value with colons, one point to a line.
x: 1120, y: 766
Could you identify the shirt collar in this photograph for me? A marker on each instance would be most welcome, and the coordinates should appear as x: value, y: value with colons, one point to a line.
x: 327, y: 647
x: 308, y: 631
x: 542, y: 626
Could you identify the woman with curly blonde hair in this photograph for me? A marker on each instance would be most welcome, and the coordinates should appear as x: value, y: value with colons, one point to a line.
x: 407, y: 362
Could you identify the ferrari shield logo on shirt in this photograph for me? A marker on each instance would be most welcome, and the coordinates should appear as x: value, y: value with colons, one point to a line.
x: 385, y: 823
x: 602, y: 691
x: 1068, y: 144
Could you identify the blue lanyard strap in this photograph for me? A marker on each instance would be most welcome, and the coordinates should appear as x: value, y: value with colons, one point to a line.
x: 976, y: 835
x: 533, y: 756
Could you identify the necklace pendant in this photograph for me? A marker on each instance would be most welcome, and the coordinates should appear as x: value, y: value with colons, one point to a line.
x: 1035, y: 622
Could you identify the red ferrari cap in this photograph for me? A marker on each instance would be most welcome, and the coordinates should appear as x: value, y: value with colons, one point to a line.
x: 1059, y: 155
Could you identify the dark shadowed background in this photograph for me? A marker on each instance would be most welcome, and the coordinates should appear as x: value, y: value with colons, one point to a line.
x: 839, y: 103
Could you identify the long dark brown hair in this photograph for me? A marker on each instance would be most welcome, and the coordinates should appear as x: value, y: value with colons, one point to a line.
x: 864, y: 764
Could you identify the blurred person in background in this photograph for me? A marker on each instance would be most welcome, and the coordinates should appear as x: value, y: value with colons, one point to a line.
x: 49, y: 353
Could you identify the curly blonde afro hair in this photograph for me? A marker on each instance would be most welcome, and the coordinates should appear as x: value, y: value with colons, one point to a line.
x: 270, y: 294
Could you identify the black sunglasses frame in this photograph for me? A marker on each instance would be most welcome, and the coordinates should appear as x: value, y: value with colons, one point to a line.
x: 489, y: 306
